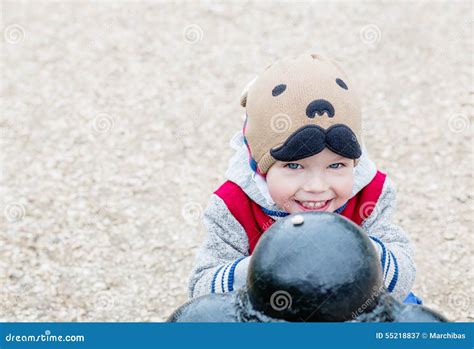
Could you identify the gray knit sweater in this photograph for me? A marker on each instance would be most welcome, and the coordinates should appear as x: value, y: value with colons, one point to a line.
x: 222, y: 260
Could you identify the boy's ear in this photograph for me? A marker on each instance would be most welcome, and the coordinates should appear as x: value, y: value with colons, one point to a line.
x: 243, y: 96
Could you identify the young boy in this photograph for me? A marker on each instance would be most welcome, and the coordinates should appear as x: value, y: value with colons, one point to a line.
x: 301, y: 149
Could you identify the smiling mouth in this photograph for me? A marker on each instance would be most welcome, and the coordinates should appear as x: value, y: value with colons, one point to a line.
x: 314, y: 205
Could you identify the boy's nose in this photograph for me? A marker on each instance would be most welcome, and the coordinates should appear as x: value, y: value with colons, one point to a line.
x: 315, y: 184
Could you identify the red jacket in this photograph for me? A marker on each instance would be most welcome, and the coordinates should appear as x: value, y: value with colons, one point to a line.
x: 255, y: 222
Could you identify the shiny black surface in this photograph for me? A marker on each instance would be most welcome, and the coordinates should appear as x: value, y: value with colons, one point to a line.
x: 326, y: 268
x: 210, y: 308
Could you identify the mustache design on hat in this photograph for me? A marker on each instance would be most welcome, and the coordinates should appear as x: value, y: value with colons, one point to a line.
x: 312, y: 139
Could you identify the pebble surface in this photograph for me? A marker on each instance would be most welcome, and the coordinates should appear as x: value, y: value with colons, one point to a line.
x: 116, y: 119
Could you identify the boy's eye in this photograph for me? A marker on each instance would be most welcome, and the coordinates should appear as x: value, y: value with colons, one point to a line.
x: 292, y: 165
x: 336, y: 165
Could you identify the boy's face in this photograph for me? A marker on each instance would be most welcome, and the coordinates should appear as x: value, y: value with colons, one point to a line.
x: 321, y: 182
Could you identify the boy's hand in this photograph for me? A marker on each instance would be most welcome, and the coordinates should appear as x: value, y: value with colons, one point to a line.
x: 240, y: 274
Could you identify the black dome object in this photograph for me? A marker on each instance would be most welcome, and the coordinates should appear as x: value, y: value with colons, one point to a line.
x: 323, y: 269
x: 215, y: 307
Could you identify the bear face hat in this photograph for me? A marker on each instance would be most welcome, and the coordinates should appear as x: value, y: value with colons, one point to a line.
x: 296, y: 108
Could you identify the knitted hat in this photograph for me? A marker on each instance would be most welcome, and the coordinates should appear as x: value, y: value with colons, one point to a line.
x: 296, y: 108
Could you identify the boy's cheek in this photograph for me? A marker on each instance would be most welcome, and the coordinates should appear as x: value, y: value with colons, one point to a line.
x: 349, y: 187
x: 278, y: 195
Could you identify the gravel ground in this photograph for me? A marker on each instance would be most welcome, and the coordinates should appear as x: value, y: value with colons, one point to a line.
x: 115, y: 125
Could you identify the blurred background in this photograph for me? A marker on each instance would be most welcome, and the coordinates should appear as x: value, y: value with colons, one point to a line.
x: 115, y: 125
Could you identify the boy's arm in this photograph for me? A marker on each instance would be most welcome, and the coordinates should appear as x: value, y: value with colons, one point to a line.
x: 221, y: 261
x: 392, y: 245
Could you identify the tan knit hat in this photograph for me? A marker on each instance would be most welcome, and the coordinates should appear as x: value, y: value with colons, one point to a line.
x: 296, y: 108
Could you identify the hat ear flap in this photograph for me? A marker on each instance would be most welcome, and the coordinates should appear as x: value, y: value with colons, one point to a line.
x: 243, y: 96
